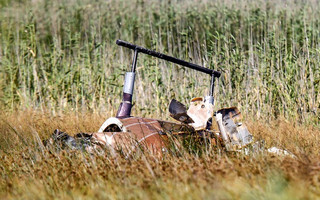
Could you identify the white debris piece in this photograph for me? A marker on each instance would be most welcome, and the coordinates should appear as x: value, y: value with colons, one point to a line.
x: 280, y: 152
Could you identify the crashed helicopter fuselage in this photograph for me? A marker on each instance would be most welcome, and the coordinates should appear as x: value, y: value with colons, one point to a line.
x: 127, y: 133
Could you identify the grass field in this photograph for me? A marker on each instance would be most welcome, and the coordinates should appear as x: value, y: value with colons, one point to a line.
x: 28, y: 171
x: 60, y: 68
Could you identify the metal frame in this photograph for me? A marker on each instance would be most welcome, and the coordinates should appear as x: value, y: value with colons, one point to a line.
x: 126, y: 104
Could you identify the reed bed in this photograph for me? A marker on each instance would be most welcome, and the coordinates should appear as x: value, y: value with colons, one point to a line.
x: 61, y: 55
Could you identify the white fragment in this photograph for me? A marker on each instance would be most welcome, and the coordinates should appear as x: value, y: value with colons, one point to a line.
x: 280, y: 152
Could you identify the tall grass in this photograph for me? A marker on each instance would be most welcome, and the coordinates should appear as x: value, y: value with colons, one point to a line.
x: 61, y: 54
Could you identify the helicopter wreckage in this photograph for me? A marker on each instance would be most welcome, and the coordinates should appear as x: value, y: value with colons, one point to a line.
x: 126, y: 134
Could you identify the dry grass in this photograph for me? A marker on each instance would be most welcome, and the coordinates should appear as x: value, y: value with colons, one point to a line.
x: 30, y: 172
